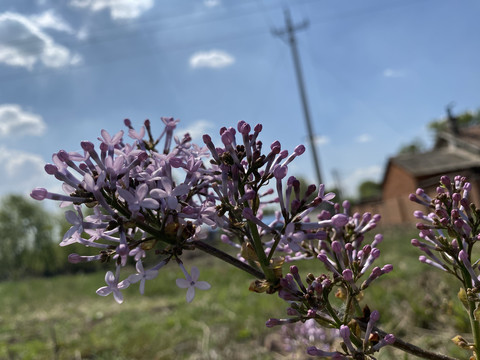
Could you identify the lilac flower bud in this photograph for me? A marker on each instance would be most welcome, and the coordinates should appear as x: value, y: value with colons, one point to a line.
x: 75, y: 258
x: 292, y: 312
x: 415, y: 242
x: 418, y: 214
x: 346, y: 205
x: 258, y: 128
x: 387, y: 268
x: 445, y: 180
x: 299, y: 150
x: 243, y: 127
x: 324, y: 215
x: 462, y: 255
x: 310, y: 190
x: 227, y: 138
x: 374, y: 317
x: 87, y: 146
x: 347, y: 275
x: 280, y: 172
x: 247, y: 213
x: 345, y: 334
x: 389, y: 339
x: 336, y: 247
x: 276, y: 147
x: 207, y: 139
x: 339, y: 220
x: 50, y: 169
x: 273, y: 322
x: 39, y: 193
x: 127, y: 123
x: 294, y: 269
x: 377, y: 240
x: 456, y: 197
x: 435, y: 264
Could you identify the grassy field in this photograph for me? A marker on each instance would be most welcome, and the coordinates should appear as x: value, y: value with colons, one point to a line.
x: 63, y: 318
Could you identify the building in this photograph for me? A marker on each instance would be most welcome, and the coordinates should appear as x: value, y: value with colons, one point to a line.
x: 456, y: 152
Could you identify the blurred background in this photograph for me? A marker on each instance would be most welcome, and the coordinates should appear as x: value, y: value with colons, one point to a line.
x: 358, y: 83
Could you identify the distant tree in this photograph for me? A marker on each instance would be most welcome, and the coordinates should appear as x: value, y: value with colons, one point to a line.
x: 29, y: 238
x: 26, y: 238
x: 465, y: 119
x: 415, y: 147
x: 369, y: 190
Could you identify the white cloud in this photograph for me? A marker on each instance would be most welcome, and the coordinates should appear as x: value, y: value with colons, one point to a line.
x: 211, y: 59
x: 23, y: 44
x: 23, y: 171
x: 50, y: 20
x: 211, y: 3
x: 14, y: 121
x: 394, y: 73
x: 321, y: 140
x: 197, y: 130
x: 363, y: 138
x: 119, y: 9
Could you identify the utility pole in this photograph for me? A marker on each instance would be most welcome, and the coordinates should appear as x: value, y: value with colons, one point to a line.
x: 290, y: 32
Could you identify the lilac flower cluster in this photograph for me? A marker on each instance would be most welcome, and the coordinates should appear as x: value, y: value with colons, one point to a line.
x: 134, y: 203
x: 347, y: 257
x: 449, y: 230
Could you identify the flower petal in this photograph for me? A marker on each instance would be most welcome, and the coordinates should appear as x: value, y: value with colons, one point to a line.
x: 104, y: 291
x: 195, y: 273
x: 109, y: 278
x: 118, y: 296
x: 182, y: 283
x: 202, y: 285
x: 190, y: 294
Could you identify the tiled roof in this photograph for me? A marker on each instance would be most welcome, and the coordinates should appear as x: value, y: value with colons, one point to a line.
x: 435, y: 162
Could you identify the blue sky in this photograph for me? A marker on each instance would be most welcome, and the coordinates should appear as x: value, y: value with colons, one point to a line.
x: 376, y: 73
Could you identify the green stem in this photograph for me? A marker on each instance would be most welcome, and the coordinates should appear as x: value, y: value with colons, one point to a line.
x: 262, y: 258
x: 331, y: 311
x: 347, y: 314
x: 407, y: 347
x: 227, y: 258
x: 474, y: 324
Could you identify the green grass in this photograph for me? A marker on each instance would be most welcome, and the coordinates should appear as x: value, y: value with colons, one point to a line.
x: 63, y: 318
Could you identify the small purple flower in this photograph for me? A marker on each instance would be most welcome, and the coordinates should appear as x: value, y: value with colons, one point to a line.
x: 191, y: 282
x: 138, y: 199
x: 142, y: 276
x: 113, y: 286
